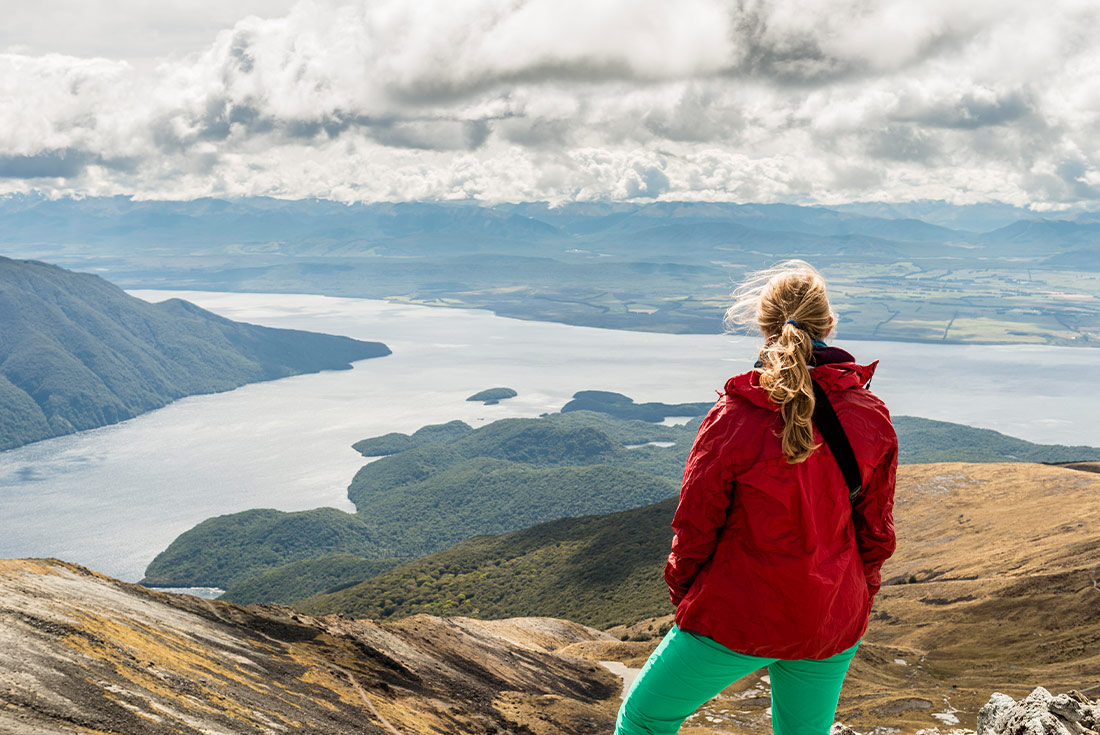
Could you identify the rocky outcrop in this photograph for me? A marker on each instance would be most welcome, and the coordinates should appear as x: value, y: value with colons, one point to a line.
x: 1039, y: 713
x: 81, y: 652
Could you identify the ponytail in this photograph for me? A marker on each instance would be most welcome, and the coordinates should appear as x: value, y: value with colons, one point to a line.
x: 788, y: 304
x: 785, y: 375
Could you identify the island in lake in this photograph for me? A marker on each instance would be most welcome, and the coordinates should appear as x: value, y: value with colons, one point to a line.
x: 492, y: 396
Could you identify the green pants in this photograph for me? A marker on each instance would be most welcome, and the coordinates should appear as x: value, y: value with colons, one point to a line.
x: 688, y: 669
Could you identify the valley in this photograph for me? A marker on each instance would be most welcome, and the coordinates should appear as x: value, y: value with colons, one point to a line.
x: 287, y: 444
x: 667, y: 267
x: 992, y: 587
x: 991, y: 593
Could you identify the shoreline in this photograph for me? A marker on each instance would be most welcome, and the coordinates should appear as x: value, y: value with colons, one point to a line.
x: 489, y: 310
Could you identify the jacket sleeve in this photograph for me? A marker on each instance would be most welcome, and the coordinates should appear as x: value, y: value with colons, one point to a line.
x: 874, y: 519
x: 705, y: 496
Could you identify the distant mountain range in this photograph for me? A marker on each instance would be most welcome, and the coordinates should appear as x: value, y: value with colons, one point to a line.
x: 77, y: 352
x: 120, y: 219
x: 917, y: 271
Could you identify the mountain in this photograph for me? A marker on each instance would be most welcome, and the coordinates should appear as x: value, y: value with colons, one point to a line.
x: 231, y: 548
x: 86, y: 653
x: 307, y: 577
x: 623, y: 407
x: 599, y: 570
x: 993, y: 587
x: 966, y: 217
x: 1083, y: 259
x: 395, y: 442
x: 448, y: 482
x: 1047, y: 235
x: 917, y: 271
x: 923, y: 440
x: 452, y: 484
x: 77, y: 352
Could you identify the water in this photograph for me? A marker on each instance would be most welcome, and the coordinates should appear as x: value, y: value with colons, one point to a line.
x: 113, y: 497
x: 210, y: 593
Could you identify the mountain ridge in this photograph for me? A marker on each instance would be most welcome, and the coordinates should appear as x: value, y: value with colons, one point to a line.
x: 85, y: 652
x: 77, y: 352
x: 969, y: 275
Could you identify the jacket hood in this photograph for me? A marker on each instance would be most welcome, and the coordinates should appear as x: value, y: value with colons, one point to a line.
x: 833, y: 368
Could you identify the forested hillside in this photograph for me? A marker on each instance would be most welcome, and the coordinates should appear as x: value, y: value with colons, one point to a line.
x: 449, y: 482
x: 78, y: 352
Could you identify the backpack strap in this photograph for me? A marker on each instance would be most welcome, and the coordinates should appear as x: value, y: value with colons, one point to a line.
x: 833, y: 432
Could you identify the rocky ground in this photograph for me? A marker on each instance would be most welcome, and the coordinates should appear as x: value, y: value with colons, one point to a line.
x: 84, y: 653
x: 1039, y: 713
x: 991, y: 602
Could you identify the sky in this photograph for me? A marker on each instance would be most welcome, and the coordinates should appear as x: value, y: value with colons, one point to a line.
x: 802, y: 101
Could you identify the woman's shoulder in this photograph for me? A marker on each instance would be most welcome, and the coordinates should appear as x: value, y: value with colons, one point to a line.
x: 867, y: 421
x: 736, y: 426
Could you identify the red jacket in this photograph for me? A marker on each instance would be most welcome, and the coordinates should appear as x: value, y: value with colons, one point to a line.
x: 769, y: 559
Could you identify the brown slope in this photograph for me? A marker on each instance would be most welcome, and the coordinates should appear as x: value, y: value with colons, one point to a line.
x: 1005, y: 560
x: 83, y: 653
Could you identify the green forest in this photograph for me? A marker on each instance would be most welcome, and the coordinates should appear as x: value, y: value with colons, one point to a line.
x: 450, y: 497
x: 77, y: 352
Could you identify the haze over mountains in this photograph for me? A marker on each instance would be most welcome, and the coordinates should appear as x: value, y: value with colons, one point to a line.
x: 77, y: 352
x: 985, y: 273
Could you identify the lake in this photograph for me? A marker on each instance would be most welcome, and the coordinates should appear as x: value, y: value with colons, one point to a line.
x: 112, y: 498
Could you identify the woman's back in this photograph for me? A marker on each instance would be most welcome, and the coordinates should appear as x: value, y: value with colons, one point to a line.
x: 771, y: 565
x: 770, y: 558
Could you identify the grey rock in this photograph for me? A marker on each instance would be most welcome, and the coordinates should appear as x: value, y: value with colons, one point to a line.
x: 841, y: 729
x: 992, y: 715
x: 1067, y: 708
x: 1039, y: 713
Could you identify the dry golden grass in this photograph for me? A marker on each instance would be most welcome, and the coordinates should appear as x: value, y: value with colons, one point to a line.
x: 1005, y: 560
x: 84, y: 653
x: 994, y: 587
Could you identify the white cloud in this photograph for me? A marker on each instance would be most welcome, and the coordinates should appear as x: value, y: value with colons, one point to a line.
x: 807, y: 100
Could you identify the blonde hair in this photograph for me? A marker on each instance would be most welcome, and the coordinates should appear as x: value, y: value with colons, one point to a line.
x: 770, y: 300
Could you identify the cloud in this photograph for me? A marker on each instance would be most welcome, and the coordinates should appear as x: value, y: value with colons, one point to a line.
x: 902, y: 143
x: 971, y: 108
x: 59, y: 163
x: 792, y: 100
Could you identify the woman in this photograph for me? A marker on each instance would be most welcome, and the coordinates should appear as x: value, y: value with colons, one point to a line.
x: 772, y: 564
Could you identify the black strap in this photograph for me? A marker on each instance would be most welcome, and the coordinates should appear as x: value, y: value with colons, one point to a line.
x: 833, y: 432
